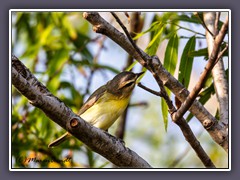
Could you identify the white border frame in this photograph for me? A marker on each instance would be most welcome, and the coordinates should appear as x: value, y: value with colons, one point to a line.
x: 116, y: 10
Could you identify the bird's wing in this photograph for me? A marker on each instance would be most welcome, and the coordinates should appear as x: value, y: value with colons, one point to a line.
x: 92, y: 99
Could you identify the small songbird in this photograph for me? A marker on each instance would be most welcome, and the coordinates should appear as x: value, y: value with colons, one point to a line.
x: 107, y: 103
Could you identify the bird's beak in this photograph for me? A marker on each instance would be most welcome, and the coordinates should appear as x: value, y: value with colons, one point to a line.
x: 139, y: 74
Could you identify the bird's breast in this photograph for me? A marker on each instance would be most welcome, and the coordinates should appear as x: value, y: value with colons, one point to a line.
x: 105, y: 111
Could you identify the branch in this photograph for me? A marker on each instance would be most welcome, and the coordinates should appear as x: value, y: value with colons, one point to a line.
x: 217, y: 131
x: 204, y: 25
x: 149, y: 90
x: 99, y: 141
x: 207, y: 70
x: 186, y: 130
x: 218, y: 72
x: 216, y: 23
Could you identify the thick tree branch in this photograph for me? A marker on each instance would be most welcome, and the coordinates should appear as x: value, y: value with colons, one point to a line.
x: 217, y: 131
x: 99, y: 141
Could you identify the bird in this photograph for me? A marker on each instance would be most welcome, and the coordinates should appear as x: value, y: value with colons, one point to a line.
x: 106, y: 103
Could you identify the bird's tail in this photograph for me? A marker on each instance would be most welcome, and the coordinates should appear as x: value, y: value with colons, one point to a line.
x: 59, y: 140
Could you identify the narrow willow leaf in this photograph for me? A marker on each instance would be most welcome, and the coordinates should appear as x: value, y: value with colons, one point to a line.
x: 129, y: 68
x: 152, y: 28
x: 164, y: 113
x: 155, y: 41
x: 171, y: 54
x: 170, y: 62
x: 185, y: 68
x: 46, y: 34
x: 199, y: 52
x: 204, y: 52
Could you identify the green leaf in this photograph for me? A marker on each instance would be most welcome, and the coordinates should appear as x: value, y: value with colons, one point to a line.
x: 170, y: 62
x: 46, y: 34
x: 164, y: 113
x: 155, y: 41
x: 185, y: 68
x: 153, y: 27
x: 129, y: 68
x: 171, y: 54
x: 199, y: 52
x: 69, y: 26
x: 204, y: 52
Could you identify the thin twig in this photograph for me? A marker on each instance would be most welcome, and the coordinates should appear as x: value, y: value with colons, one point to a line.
x: 187, y: 29
x: 129, y: 36
x: 204, y: 25
x: 221, y: 53
x: 143, y: 103
x: 217, y: 22
x: 149, y: 90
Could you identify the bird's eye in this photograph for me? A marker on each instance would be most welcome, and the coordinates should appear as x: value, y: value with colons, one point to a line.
x: 129, y: 84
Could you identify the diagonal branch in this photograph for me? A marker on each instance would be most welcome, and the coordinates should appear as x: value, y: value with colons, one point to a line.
x: 207, y: 70
x: 99, y: 141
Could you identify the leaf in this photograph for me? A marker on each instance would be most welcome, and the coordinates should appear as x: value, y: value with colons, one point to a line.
x: 186, y: 62
x: 152, y: 28
x: 170, y: 62
x: 204, y: 52
x: 171, y: 54
x: 164, y: 113
x: 155, y: 41
x: 68, y: 25
x: 45, y: 35
x: 199, y: 52
x: 129, y: 68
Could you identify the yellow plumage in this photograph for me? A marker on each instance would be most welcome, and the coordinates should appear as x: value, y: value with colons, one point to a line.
x: 105, y: 111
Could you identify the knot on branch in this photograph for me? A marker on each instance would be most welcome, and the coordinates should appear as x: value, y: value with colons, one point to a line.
x: 74, y: 123
x: 98, y: 29
x: 207, y: 123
